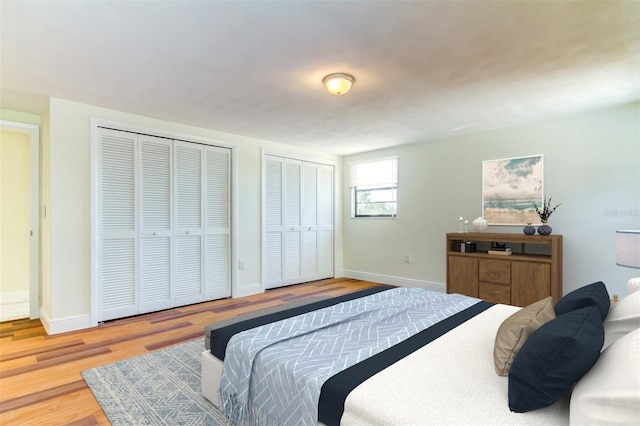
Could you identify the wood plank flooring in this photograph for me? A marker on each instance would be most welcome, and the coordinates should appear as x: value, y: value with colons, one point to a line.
x: 40, y: 381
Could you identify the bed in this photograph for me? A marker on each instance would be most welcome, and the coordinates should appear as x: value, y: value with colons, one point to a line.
x: 443, y: 373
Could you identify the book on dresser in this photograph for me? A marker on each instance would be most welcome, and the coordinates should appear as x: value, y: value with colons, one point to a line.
x: 506, y: 251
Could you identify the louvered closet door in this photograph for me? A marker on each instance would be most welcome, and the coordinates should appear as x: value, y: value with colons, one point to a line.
x: 273, y: 221
x: 188, y: 230
x: 156, y: 233
x: 325, y: 221
x: 217, y: 218
x: 117, y: 240
x: 309, y: 221
x: 292, y: 221
x: 298, y: 221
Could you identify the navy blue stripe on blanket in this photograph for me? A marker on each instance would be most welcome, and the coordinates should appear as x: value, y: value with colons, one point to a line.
x: 335, y: 390
x: 220, y: 337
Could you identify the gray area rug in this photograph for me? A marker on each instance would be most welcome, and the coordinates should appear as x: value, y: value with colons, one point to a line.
x: 158, y: 388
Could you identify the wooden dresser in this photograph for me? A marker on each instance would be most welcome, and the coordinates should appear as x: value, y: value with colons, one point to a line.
x: 531, y: 273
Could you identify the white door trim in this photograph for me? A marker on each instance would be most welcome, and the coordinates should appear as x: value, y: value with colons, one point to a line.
x: 33, y: 131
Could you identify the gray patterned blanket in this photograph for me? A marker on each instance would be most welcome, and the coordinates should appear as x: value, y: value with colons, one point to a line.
x: 273, y: 374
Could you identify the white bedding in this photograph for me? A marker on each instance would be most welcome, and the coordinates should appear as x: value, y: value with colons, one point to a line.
x: 450, y: 381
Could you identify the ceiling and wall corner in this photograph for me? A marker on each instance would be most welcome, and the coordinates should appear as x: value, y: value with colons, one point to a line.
x: 425, y: 69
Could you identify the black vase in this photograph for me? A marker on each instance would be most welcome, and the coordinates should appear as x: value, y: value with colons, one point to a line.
x: 529, y: 230
x: 544, y: 229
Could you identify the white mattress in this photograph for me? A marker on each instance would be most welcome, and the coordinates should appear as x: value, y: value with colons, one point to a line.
x: 450, y: 381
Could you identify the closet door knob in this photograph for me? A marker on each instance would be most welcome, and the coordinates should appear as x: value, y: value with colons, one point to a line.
x: 155, y: 234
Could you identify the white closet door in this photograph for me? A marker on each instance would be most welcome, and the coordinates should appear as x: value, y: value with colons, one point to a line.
x: 309, y: 221
x: 217, y: 274
x: 188, y: 230
x: 156, y: 234
x: 298, y: 221
x: 292, y: 221
x: 163, y: 222
x: 117, y: 242
x: 325, y: 221
x: 273, y: 221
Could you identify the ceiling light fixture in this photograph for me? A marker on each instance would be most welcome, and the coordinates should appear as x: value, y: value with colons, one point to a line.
x: 338, y: 83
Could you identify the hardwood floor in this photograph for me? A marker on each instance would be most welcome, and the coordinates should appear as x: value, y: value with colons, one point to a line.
x: 40, y: 381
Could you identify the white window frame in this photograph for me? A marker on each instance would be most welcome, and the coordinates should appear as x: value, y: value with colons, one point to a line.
x: 374, y: 175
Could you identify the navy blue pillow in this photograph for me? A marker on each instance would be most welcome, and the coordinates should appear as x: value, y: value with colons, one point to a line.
x: 595, y: 294
x: 553, y: 358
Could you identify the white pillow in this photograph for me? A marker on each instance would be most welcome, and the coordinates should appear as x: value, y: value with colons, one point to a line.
x: 622, y: 318
x: 609, y: 394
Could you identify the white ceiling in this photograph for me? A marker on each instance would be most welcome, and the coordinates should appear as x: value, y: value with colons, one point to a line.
x: 423, y: 69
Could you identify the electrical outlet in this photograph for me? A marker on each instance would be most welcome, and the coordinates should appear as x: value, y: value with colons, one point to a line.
x: 240, y: 265
x: 407, y: 258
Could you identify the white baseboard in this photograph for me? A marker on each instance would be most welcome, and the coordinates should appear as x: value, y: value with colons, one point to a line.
x: 62, y: 325
x: 14, y: 305
x: 397, y: 281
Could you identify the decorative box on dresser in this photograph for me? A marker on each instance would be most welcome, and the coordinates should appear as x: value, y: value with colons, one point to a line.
x: 532, y: 272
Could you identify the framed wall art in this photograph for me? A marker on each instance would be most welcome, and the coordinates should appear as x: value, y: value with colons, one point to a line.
x: 510, y: 186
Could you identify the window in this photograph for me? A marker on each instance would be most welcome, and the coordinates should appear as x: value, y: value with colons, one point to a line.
x: 374, y: 186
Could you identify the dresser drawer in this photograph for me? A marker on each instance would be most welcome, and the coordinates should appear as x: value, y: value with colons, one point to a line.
x: 496, y: 293
x: 494, y: 271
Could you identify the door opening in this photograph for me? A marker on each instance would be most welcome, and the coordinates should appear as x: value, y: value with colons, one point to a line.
x: 19, y: 220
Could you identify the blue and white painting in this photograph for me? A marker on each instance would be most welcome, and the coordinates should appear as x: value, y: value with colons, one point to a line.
x: 510, y: 186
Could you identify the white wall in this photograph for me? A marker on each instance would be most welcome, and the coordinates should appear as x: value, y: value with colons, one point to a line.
x: 591, y: 165
x: 66, y: 185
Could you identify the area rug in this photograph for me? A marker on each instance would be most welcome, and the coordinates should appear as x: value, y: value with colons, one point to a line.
x: 158, y: 388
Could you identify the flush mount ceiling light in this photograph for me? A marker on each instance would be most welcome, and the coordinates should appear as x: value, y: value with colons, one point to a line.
x: 338, y: 83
